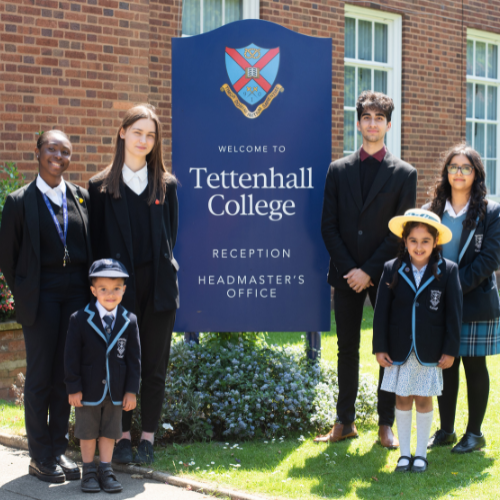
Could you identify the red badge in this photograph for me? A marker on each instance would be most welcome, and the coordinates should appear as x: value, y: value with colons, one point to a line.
x: 157, y: 202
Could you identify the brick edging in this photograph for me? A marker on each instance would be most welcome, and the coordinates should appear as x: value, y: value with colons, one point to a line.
x: 21, y: 442
x: 6, y: 326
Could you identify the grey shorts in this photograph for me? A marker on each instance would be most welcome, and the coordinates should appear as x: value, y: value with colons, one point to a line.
x: 104, y: 420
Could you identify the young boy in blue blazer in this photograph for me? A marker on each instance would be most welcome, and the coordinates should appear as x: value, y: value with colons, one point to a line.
x: 102, y: 365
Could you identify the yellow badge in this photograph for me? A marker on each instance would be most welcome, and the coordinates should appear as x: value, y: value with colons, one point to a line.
x: 81, y: 200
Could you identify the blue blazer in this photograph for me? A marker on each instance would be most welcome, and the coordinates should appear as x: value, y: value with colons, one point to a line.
x: 427, y: 319
x: 93, y: 367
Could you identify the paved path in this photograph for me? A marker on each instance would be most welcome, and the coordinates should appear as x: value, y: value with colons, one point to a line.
x: 17, y: 484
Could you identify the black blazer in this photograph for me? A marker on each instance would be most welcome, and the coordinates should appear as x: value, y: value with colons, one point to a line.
x: 93, y: 367
x: 20, y: 246
x: 428, y: 318
x: 480, y: 258
x: 112, y: 238
x: 356, y: 234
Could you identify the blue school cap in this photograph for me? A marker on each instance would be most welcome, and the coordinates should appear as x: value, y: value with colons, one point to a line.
x: 108, y: 268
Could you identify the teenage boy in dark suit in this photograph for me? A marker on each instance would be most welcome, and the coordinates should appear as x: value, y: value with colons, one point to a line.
x: 103, y: 368
x: 363, y: 192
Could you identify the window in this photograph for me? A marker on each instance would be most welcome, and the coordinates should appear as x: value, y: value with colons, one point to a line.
x: 372, y: 61
x: 200, y: 16
x: 482, y: 115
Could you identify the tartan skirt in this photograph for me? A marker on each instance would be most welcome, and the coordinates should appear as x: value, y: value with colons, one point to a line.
x: 480, y: 338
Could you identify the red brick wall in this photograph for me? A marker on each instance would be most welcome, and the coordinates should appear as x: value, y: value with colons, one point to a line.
x: 12, y: 358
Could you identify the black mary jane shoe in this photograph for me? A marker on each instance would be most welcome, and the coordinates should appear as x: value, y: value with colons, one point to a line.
x: 442, y: 438
x: 107, y: 479
x: 404, y: 468
x: 70, y: 469
x: 90, y: 481
x: 469, y: 442
x: 419, y: 468
x: 145, y: 453
x: 122, y: 454
x: 47, y: 469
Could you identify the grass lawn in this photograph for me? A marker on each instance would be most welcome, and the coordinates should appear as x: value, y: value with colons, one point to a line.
x: 11, y: 418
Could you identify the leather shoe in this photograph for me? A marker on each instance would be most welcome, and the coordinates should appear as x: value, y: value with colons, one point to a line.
x: 145, y: 453
x: 387, y: 437
x: 419, y: 468
x: 469, y: 442
x: 47, y: 469
x: 404, y: 468
x: 442, y: 438
x: 339, y: 432
x: 107, y: 479
x: 122, y: 454
x: 90, y: 481
x: 70, y: 469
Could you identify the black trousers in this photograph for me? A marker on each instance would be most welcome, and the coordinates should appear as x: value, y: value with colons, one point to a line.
x: 155, y: 331
x: 61, y: 294
x: 348, y: 307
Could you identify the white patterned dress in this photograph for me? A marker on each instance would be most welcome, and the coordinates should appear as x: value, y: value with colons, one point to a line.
x: 412, y: 378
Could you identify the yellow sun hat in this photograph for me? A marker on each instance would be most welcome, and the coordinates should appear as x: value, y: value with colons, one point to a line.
x: 396, y: 224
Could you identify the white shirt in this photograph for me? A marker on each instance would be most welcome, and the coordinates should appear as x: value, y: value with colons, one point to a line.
x: 103, y: 311
x: 449, y: 208
x: 53, y: 194
x: 136, y: 181
x: 418, y: 275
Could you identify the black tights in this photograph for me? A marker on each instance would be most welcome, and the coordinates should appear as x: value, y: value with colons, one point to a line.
x: 478, y: 388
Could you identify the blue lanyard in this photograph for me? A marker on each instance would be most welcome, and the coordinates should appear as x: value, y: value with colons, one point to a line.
x: 62, y: 236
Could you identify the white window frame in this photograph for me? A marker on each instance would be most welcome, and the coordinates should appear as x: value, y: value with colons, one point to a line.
x: 393, y: 66
x: 486, y: 37
x: 250, y: 10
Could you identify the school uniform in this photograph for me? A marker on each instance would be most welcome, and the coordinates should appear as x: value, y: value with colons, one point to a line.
x: 142, y: 237
x: 417, y: 322
x: 102, y: 366
x: 46, y: 293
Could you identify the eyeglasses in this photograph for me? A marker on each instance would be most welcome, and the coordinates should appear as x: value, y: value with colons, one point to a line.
x: 465, y: 169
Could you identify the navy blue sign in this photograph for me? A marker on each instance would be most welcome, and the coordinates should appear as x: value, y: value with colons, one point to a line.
x: 251, y: 139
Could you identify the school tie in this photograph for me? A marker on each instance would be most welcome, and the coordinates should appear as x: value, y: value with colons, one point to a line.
x: 108, y: 320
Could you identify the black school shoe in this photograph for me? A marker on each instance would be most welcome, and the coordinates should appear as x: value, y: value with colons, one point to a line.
x: 47, y: 470
x: 107, y: 479
x: 442, y: 438
x: 90, y: 481
x: 70, y: 469
x: 419, y: 468
x: 469, y: 442
x: 122, y: 454
x: 404, y: 468
x: 145, y: 453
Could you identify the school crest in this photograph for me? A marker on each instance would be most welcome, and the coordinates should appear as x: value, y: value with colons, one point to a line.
x: 252, y: 71
x: 479, y: 242
x: 435, y: 299
x: 120, y: 348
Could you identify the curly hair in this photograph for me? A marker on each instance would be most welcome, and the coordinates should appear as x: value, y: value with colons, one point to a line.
x: 375, y: 100
x: 402, y: 251
x: 442, y: 188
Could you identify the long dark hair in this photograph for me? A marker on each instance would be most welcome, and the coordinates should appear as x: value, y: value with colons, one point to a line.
x: 161, y: 176
x: 402, y: 251
x: 442, y: 189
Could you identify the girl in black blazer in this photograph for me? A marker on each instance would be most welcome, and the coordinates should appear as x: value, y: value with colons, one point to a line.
x: 460, y: 200
x: 45, y: 254
x: 416, y: 327
x: 135, y: 221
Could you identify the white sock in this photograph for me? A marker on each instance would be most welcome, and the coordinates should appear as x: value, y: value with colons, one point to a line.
x: 424, y: 426
x: 403, y: 421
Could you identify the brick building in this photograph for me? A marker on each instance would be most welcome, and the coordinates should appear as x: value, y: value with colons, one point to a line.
x: 77, y: 64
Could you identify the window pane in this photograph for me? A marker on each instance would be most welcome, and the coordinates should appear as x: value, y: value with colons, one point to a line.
x: 350, y: 40
x: 492, y: 103
x: 365, y: 40
x: 364, y: 79
x: 491, y: 146
x: 381, y: 42
x: 380, y: 81
x: 212, y: 14
x: 191, y: 17
x: 493, y: 61
x: 470, y: 57
x: 469, y: 100
x: 491, y: 176
x: 468, y: 133
x: 349, y: 130
x: 480, y: 59
x: 349, y: 91
x: 359, y: 139
x: 479, y: 102
x: 232, y: 10
x: 479, y: 138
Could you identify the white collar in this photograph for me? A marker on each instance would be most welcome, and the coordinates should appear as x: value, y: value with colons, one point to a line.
x: 44, y: 187
x: 103, y: 311
x: 128, y: 173
x: 451, y: 211
x: 421, y: 271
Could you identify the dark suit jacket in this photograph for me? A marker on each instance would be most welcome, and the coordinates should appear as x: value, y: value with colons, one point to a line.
x: 436, y: 305
x: 356, y: 234
x: 93, y: 367
x: 479, y: 258
x: 20, y: 246
x: 112, y: 238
